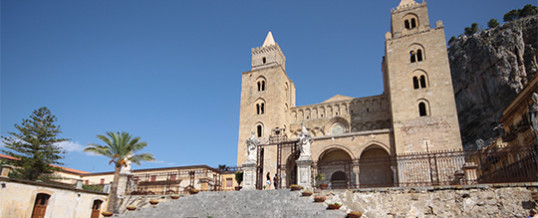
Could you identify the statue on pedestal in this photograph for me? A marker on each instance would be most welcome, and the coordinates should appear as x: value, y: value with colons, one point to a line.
x: 252, y: 148
x: 304, y: 141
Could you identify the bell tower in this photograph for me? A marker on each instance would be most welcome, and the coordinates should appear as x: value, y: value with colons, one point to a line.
x: 267, y: 94
x: 419, y: 83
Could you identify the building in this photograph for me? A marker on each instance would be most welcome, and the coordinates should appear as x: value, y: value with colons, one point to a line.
x: 415, y: 113
x: 517, y: 116
x: 164, y: 180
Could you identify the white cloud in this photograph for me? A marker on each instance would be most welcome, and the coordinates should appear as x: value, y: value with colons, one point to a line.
x: 161, y: 162
x: 71, y: 146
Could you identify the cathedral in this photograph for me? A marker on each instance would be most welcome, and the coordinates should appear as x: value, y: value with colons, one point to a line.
x: 416, y: 112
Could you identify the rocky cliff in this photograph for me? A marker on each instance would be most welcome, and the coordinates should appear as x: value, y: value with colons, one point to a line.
x: 489, y: 69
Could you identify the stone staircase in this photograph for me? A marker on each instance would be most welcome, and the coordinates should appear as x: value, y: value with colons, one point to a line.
x: 235, y: 204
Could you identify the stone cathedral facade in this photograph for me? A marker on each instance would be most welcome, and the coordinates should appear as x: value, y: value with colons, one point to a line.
x: 415, y: 113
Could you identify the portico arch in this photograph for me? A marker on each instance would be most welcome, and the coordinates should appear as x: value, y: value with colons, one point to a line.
x: 374, y: 167
x: 336, y: 163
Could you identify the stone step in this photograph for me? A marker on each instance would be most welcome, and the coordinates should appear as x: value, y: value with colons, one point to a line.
x: 252, y: 203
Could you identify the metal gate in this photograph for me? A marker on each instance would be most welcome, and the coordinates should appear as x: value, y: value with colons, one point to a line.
x: 278, y: 138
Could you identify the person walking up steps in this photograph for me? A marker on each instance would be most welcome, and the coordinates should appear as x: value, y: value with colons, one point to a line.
x: 268, y: 176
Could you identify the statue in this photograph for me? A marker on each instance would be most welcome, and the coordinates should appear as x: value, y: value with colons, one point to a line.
x: 252, y: 148
x: 533, y: 112
x: 304, y: 141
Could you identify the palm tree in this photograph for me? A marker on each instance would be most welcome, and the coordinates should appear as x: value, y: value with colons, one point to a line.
x: 120, y: 148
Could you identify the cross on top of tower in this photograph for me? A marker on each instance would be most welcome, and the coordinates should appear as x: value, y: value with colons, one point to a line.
x: 269, y: 40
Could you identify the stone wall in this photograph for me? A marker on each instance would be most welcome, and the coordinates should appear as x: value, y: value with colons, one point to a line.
x: 507, y: 200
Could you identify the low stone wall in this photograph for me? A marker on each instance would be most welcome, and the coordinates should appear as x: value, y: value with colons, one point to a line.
x: 501, y: 200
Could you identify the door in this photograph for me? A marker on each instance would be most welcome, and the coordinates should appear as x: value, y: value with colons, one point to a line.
x: 40, y: 205
x: 96, y: 208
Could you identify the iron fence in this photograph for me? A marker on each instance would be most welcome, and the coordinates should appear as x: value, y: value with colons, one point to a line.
x: 490, y: 165
x: 493, y: 165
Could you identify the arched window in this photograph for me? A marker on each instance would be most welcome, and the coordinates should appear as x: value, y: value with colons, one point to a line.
x: 422, y: 109
x: 415, y: 82
x: 413, y: 23
x: 264, y: 60
x: 40, y: 205
x: 260, y: 106
x: 419, y: 55
x: 261, y: 84
x: 416, y: 55
x: 259, y: 130
x: 338, y: 129
x: 406, y: 23
x: 422, y: 81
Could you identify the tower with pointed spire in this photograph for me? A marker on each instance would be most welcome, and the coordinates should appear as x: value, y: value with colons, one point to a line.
x: 267, y: 94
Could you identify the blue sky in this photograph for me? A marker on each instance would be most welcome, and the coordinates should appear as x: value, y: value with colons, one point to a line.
x: 170, y: 71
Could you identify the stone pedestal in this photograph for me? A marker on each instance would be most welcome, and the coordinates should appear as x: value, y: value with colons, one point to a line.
x: 249, y: 176
x: 469, y: 169
x: 304, y: 172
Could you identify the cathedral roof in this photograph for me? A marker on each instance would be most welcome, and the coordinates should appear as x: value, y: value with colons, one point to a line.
x: 269, y: 40
x: 405, y: 3
x: 338, y: 98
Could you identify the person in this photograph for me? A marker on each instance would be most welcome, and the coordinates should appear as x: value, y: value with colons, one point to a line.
x: 532, y: 213
x: 275, y: 182
x: 268, y: 176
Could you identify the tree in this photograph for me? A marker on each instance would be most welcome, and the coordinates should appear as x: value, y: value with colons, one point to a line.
x: 35, y: 145
x: 511, y: 15
x: 121, y: 148
x: 527, y: 10
x: 493, y: 23
x: 472, y: 30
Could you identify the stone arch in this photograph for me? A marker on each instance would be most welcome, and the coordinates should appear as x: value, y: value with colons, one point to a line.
x: 259, y: 129
x: 335, y: 162
x: 417, y: 53
x: 335, y: 121
x: 410, y: 21
x: 261, y: 83
x: 291, y: 170
x: 260, y: 106
x: 423, y: 107
x: 308, y: 114
x: 420, y: 79
x: 342, y: 151
x: 375, y: 167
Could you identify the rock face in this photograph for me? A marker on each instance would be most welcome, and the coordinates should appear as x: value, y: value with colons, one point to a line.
x: 489, y: 69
